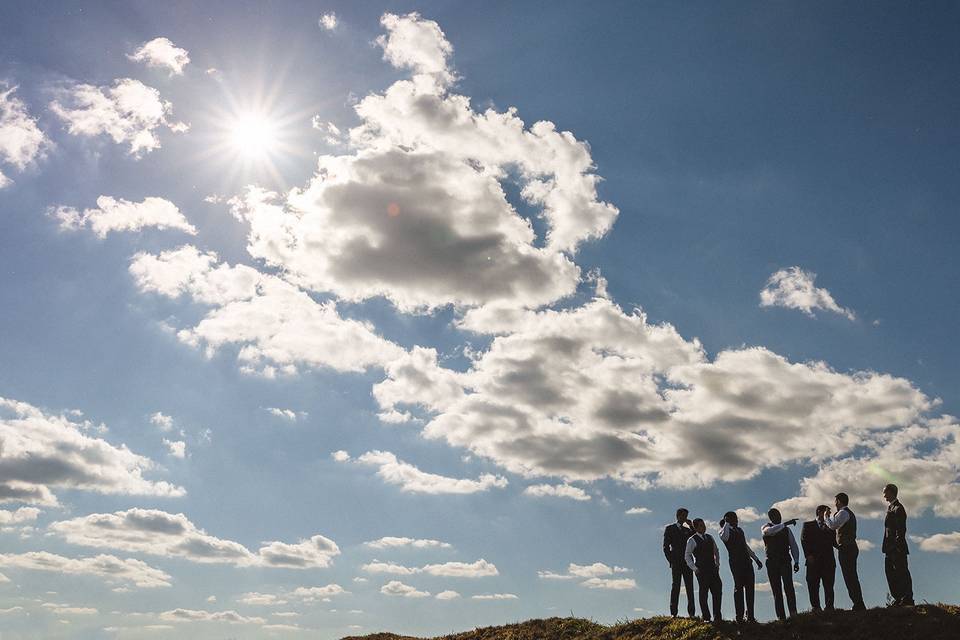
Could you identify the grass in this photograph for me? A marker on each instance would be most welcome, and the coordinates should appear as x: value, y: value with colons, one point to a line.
x: 924, y: 622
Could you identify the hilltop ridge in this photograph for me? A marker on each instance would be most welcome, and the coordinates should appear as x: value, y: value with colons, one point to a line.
x: 926, y: 622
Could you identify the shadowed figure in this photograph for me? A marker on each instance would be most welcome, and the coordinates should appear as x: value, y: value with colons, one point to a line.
x: 703, y: 558
x: 895, y: 549
x: 675, y: 538
x: 818, y: 543
x: 780, y: 546
x: 741, y: 558
x: 844, y: 522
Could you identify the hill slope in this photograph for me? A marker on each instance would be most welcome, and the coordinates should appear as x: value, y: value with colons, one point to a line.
x: 924, y: 622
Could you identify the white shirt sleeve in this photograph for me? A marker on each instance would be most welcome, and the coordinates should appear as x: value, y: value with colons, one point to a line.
x: 771, y: 529
x: 794, y: 549
x: 716, y: 554
x: 837, y: 520
x: 688, y: 555
x: 725, y: 531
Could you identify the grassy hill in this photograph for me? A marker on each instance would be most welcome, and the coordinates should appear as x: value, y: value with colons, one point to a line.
x: 924, y: 622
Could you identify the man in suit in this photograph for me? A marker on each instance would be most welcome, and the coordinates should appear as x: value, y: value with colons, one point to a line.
x: 780, y: 545
x: 818, y: 543
x: 703, y: 558
x: 739, y: 554
x: 844, y: 522
x: 675, y: 538
x: 895, y: 549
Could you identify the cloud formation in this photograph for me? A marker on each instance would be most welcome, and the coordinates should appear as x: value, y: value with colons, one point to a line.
x: 21, y: 141
x: 129, y: 112
x: 163, y: 54
x: 479, y: 569
x: 391, y: 542
x: 110, y: 568
x: 199, y: 615
x: 410, y: 479
x: 941, y: 542
x: 159, y: 533
x: 556, y: 491
x: 112, y: 214
x: 793, y: 288
x: 43, y: 452
x: 399, y: 589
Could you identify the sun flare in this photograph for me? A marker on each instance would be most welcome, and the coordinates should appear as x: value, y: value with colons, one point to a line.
x: 254, y: 136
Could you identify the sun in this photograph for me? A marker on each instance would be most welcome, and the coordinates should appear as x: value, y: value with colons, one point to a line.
x: 254, y: 136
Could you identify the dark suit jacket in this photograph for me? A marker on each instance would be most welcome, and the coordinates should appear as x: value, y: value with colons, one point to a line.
x: 818, y: 543
x: 675, y: 543
x: 895, y: 529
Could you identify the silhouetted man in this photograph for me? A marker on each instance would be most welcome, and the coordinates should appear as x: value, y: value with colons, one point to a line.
x: 895, y: 549
x: 739, y: 554
x: 675, y: 538
x: 818, y: 542
x: 845, y: 524
x: 703, y: 558
x: 781, y: 545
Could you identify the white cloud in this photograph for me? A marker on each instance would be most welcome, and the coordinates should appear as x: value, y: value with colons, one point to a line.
x: 793, y: 288
x: 397, y: 588
x: 447, y: 595
x: 340, y: 456
x: 21, y: 140
x: 494, y: 596
x: 122, y: 215
x: 42, y: 452
x: 195, y: 615
x: 15, y: 609
x: 391, y: 542
x: 261, y: 599
x: 177, y: 448
x: 426, y: 179
x: 637, y: 511
x: 616, y: 584
x: 550, y: 575
x: 108, y: 567
x: 593, y: 392
x: 865, y: 545
x: 332, y: 134
x: 411, y: 479
x: 594, y: 570
x: 557, y: 491
x: 328, y: 21
x: 165, y: 534
x: 163, y: 54
x: 129, y: 112
x: 941, y: 542
x: 310, y: 594
x: 286, y: 414
x: 162, y: 422
x: 20, y: 516
x: 479, y: 569
x: 748, y: 514
x: 67, y: 610
x: 279, y: 328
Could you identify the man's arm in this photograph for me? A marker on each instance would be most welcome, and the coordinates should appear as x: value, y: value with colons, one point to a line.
x: 688, y: 554
x: 725, y: 531
x: 716, y: 554
x: 752, y: 554
x: 837, y: 520
x: 667, y: 546
x: 794, y: 550
x: 772, y: 529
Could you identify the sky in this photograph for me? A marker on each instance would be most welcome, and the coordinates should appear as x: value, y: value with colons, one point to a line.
x: 321, y: 319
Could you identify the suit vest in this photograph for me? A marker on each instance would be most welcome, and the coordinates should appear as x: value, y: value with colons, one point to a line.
x: 778, y: 546
x: 736, y: 544
x: 703, y: 554
x: 847, y: 534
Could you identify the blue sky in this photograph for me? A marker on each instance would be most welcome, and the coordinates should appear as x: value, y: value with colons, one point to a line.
x: 277, y: 288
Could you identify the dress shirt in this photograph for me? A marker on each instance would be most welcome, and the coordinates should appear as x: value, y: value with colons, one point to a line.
x: 838, y: 519
x: 725, y: 535
x: 692, y: 544
x: 773, y: 529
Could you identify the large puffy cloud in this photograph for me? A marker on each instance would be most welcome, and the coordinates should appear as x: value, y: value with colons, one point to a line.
x: 165, y: 534
x: 21, y: 140
x: 397, y: 588
x: 941, y: 542
x: 129, y: 112
x: 108, y: 567
x: 594, y: 392
x: 162, y: 53
x: 413, y: 480
x: 418, y: 213
x: 279, y: 327
x: 20, y: 516
x: 112, y: 214
x: 43, y: 452
x: 794, y: 288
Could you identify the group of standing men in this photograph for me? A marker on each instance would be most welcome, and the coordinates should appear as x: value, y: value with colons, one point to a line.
x: 690, y: 551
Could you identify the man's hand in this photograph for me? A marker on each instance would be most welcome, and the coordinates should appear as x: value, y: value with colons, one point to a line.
x: 759, y: 565
x: 796, y: 567
x: 790, y: 522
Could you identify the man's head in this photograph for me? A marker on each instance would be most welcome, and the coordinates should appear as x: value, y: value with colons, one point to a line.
x: 730, y: 517
x: 699, y: 526
x: 821, y: 508
x: 890, y: 492
x: 682, y: 514
x: 841, y: 500
x: 774, y: 515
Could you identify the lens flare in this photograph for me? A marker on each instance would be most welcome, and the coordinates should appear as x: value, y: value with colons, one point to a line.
x: 254, y: 136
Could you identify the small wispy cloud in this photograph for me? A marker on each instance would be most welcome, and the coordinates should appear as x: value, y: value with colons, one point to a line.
x: 794, y: 288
